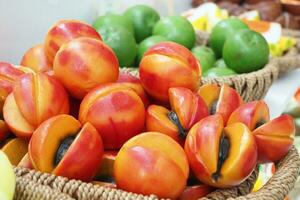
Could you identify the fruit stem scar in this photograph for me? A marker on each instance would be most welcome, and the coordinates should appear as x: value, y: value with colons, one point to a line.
x: 223, y: 155
x: 174, y: 118
x: 63, y: 148
x: 213, y: 107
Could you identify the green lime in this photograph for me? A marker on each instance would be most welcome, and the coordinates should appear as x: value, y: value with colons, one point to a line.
x: 220, y: 63
x: 221, y: 31
x: 113, y: 19
x: 147, y: 43
x: 143, y: 18
x: 121, y: 41
x: 205, y: 56
x: 246, y: 51
x: 219, y: 71
x: 177, y: 29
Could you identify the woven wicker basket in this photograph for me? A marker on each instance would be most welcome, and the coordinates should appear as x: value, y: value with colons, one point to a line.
x: 34, y: 185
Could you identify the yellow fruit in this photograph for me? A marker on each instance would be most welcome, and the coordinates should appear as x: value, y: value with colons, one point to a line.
x: 7, y: 178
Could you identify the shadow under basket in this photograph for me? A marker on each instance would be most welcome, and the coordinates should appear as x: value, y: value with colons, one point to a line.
x: 34, y: 185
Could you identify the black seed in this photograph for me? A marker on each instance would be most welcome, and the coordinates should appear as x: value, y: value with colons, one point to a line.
x: 223, y: 155
x: 107, y: 179
x: 259, y: 123
x: 174, y: 118
x: 213, y: 107
x: 63, y: 148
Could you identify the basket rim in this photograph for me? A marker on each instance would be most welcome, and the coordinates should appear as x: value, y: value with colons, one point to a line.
x: 278, y: 186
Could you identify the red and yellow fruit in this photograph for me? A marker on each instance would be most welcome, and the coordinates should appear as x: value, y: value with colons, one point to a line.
x: 195, y: 192
x: 155, y: 163
x: 36, y: 59
x: 84, y: 63
x: 63, y: 146
x: 25, y: 162
x: 167, y: 65
x: 107, y: 165
x: 221, y: 100
x: 15, y: 150
x: 187, y: 109
x: 135, y: 84
x: 4, y: 131
x: 221, y: 156
x: 8, y: 76
x: 274, y: 138
x: 35, y: 98
x: 116, y: 111
x: 65, y: 31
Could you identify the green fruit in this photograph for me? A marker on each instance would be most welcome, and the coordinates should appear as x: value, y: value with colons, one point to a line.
x: 147, y: 43
x: 246, y: 51
x: 7, y: 178
x: 113, y: 19
x: 222, y: 30
x: 205, y: 56
x: 219, y: 71
x: 143, y: 18
x: 177, y: 29
x: 121, y: 41
x: 220, y: 63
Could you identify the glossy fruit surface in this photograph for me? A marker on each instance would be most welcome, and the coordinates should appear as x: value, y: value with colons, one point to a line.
x: 177, y: 29
x: 143, y: 18
x: 231, y: 156
x: 35, y: 98
x: 64, y: 31
x: 246, y: 51
x: 144, y: 158
x: 84, y: 63
x: 167, y: 65
x: 122, y: 43
x: 64, y: 147
x: 223, y: 30
x: 116, y: 111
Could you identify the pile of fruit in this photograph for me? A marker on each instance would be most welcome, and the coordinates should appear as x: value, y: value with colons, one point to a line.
x: 139, y: 28
x: 70, y: 111
x: 238, y: 48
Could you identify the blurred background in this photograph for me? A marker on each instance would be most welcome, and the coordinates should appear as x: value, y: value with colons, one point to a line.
x: 25, y: 23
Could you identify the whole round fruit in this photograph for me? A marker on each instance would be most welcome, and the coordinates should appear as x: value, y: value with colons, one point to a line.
x: 7, y: 177
x: 147, y: 43
x: 219, y: 71
x: 149, y: 158
x: 205, y: 56
x: 246, y: 51
x: 114, y: 19
x: 84, y: 63
x: 177, y: 29
x: 116, y: 111
x: 64, y: 31
x: 220, y: 63
x: 167, y: 65
x: 143, y: 18
x: 121, y: 41
x: 223, y: 29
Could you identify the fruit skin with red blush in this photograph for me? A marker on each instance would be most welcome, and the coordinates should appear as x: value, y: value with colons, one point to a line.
x: 116, y: 111
x: 167, y: 65
x: 146, y: 158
